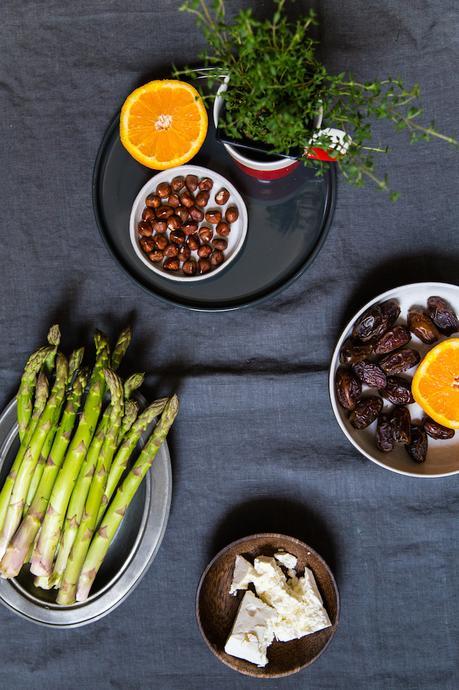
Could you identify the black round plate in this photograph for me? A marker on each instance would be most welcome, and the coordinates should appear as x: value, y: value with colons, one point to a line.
x: 288, y: 223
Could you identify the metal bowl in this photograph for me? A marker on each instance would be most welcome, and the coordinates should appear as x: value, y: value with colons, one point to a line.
x: 128, y: 559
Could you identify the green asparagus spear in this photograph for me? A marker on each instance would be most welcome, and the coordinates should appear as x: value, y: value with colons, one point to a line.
x: 88, y: 522
x: 74, y: 364
x: 41, y: 395
x: 78, y: 500
x: 54, y: 339
x: 48, y: 418
x: 42, y: 581
x: 121, y: 346
x: 132, y: 384
x: 39, y: 468
x: 23, y: 540
x: 43, y: 555
x: 131, y: 410
x: 27, y: 387
x: 126, y: 449
x: 115, y: 513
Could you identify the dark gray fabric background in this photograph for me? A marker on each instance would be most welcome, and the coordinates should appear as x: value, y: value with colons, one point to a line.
x: 256, y: 446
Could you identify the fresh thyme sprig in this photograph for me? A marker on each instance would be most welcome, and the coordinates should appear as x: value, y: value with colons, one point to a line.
x: 277, y: 86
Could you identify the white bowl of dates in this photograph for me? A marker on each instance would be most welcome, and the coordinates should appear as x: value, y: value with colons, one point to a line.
x: 370, y: 379
x: 188, y: 223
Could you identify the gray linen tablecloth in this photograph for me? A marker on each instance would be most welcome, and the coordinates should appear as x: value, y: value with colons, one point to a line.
x: 256, y: 446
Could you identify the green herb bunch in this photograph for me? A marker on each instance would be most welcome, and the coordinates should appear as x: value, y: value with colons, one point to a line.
x: 277, y: 86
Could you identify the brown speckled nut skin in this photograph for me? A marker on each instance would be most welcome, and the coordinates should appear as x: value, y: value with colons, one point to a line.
x: 216, y: 609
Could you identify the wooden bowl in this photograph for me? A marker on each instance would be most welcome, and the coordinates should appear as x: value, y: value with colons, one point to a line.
x: 216, y: 609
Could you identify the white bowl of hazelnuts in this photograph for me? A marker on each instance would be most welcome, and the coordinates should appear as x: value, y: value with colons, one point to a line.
x: 188, y: 223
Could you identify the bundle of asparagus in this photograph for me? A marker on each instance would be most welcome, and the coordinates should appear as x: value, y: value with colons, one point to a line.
x: 73, y: 477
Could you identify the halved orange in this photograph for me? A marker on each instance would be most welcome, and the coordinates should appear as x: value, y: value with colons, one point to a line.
x: 163, y: 123
x: 435, y: 384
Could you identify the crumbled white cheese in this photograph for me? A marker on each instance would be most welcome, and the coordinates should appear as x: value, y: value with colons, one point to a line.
x: 243, y: 575
x: 252, y: 631
x: 286, y: 559
x: 296, y: 602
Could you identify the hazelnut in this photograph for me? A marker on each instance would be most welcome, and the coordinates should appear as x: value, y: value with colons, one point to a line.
x: 178, y: 183
x: 144, y: 229
x: 177, y: 236
x: 164, y: 211
x: 204, y: 251
x: 189, y: 227
x: 153, y: 201
x: 148, y: 245
x: 196, y: 213
x: 148, y: 213
x: 174, y: 200
x: 202, y: 199
x: 174, y: 223
x: 214, y: 216
x: 223, y: 229
x: 171, y: 264
x: 204, y: 266
x: 184, y: 253
x: 156, y: 256
x: 220, y: 243
x: 187, y: 199
x: 217, y: 257
x: 232, y: 214
x: 222, y: 196
x: 161, y: 241
x: 163, y: 190
x: 206, y: 233
x: 182, y: 213
x: 191, y: 182
x: 189, y: 267
x: 171, y: 251
x: 193, y: 242
x: 206, y: 184
x: 159, y: 226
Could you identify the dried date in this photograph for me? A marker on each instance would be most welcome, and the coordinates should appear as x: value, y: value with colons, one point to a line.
x: 351, y: 352
x: 348, y: 388
x: 397, y: 362
x: 443, y: 315
x: 370, y: 325
x: 392, y: 340
x: 391, y: 311
x: 436, y: 430
x: 422, y: 326
x: 365, y: 412
x: 401, y: 425
x: 384, y: 434
x: 370, y: 373
x: 417, y: 448
x: 397, y: 391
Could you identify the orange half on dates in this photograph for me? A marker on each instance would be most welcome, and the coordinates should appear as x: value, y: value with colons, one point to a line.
x: 435, y: 384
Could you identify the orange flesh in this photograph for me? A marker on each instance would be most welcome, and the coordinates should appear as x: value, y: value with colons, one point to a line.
x: 436, y: 383
x: 163, y: 124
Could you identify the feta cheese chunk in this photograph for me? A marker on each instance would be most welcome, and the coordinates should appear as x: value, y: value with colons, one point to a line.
x: 244, y: 573
x: 297, y: 601
x: 284, y: 608
x: 252, y: 631
x: 286, y: 559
